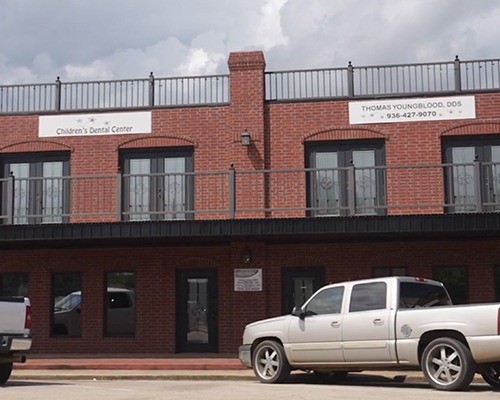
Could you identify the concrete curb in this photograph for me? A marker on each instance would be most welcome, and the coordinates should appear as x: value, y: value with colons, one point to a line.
x: 377, y: 377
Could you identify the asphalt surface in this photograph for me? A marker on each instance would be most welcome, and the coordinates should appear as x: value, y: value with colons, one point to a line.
x: 162, y: 368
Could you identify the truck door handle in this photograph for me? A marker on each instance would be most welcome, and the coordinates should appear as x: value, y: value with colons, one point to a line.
x: 335, y: 324
x: 378, y: 321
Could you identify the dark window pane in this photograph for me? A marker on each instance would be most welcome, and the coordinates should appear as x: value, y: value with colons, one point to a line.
x: 415, y: 295
x: 380, y: 272
x: 455, y: 281
x: 120, y: 303
x: 14, y: 284
x: 328, y: 301
x: 497, y: 284
x: 368, y: 296
x: 67, y: 300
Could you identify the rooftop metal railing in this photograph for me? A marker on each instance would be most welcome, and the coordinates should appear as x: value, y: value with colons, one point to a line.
x: 384, y: 80
x: 115, y: 94
x: 326, y: 83
x: 229, y: 194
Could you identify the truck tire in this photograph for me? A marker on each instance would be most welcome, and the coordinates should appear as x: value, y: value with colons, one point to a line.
x: 491, y: 374
x: 5, y: 370
x: 270, y: 364
x: 447, y: 364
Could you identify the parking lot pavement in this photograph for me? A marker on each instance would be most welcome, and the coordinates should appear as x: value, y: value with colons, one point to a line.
x: 300, y: 387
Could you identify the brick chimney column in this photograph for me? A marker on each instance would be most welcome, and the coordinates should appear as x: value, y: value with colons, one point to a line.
x: 247, y: 106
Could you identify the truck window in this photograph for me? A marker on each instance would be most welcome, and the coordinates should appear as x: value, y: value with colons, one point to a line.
x: 328, y: 301
x: 418, y: 294
x: 368, y: 296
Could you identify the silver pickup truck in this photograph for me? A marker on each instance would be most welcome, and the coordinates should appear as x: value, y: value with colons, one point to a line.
x: 15, y: 333
x: 383, y: 323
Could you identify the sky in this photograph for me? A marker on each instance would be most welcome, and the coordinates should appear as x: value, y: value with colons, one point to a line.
x: 81, y: 40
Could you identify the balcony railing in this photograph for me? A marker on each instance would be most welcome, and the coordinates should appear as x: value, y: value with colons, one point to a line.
x: 326, y: 83
x: 279, y: 193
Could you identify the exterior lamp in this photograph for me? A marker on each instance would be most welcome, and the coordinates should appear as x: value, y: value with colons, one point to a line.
x: 246, y: 138
x: 246, y: 256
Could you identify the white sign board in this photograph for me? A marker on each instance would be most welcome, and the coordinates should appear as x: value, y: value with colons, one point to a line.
x: 412, y: 110
x: 94, y: 124
x: 248, y: 280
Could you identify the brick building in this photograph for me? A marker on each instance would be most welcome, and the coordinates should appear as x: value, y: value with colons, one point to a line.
x: 162, y: 215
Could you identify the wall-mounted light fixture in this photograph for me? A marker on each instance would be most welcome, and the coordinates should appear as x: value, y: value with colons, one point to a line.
x: 246, y: 256
x: 246, y: 138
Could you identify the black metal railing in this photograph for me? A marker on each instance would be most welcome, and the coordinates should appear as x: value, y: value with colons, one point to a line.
x: 327, y: 83
x: 114, y: 94
x: 228, y: 194
x: 384, y: 80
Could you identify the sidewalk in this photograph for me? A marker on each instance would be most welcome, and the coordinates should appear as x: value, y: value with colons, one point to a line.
x: 168, y: 367
x: 131, y: 367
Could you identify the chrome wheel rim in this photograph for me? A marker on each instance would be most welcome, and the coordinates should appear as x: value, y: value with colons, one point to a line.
x: 444, y: 364
x: 267, y: 362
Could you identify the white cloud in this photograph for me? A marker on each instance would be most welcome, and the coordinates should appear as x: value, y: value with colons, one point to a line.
x: 200, y: 62
x: 114, y: 39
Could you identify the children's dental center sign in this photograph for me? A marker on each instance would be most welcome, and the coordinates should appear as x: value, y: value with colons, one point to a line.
x: 94, y: 124
x: 412, y: 110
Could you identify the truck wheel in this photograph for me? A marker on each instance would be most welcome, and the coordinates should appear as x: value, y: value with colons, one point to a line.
x: 447, y: 364
x: 491, y: 374
x: 5, y: 370
x: 269, y: 362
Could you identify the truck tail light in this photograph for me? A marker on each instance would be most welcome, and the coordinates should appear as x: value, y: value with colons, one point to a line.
x: 27, y: 321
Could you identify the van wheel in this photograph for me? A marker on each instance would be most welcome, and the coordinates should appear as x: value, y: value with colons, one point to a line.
x: 491, y: 374
x: 447, y: 364
x: 269, y: 362
x: 5, y: 370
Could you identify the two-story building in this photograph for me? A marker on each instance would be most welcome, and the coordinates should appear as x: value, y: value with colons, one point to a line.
x: 161, y: 215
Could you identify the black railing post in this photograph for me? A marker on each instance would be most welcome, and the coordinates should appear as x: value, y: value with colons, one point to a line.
x: 58, y: 94
x: 119, y: 195
x: 10, y: 199
x: 232, y: 192
x: 351, y: 190
x: 458, y: 75
x: 151, y: 90
x: 350, y: 80
x: 477, y: 186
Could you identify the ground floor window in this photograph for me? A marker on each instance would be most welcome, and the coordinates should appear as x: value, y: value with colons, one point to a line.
x: 298, y: 284
x: 455, y: 281
x: 497, y: 284
x: 14, y: 284
x: 120, y: 304
x: 67, y: 303
x: 380, y: 272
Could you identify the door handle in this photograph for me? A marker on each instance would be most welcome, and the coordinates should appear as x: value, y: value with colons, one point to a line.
x: 378, y: 321
x: 335, y: 324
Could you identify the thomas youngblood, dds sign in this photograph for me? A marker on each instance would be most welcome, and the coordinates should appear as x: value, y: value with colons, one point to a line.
x: 94, y: 124
x: 412, y: 110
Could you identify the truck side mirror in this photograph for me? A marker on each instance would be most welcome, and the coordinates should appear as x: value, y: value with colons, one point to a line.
x: 298, y: 312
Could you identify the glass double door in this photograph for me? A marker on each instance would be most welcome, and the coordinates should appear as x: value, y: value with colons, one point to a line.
x: 197, y: 311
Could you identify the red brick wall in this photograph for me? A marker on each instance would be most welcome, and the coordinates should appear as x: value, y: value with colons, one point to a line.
x: 156, y: 293
x: 279, y: 132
